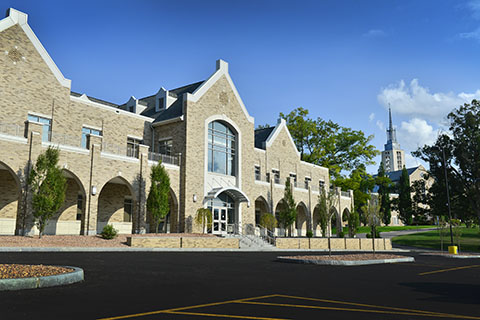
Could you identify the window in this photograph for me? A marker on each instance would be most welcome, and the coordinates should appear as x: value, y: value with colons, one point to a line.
x: 165, y: 147
x: 321, y: 185
x: 79, y: 206
x: 399, y: 159
x: 258, y: 175
x: 133, y: 146
x: 307, y: 182
x: 221, y: 148
x: 47, y: 126
x: 87, y: 131
x: 293, y: 179
x: 276, y: 176
x: 267, y: 177
x: 131, y: 108
x: 127, y: 210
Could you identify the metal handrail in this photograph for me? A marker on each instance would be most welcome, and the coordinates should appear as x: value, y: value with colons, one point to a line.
x: 267, y: 235
x: 12, y: 129
x: 164, y: 158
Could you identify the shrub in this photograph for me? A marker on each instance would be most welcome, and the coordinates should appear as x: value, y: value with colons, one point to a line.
x: 341, y: 234
x: 377, y: 234
x: 109, y: 232
x: 309, y: 233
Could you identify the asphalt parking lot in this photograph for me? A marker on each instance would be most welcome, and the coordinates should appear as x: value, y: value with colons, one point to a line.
x: 236, y: 285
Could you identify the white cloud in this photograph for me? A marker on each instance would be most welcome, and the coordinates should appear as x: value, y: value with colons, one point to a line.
x: 375, y: 33
x: 474, y: 7
x: 475, y: 35
x: 415, y: 133
x: 416, y: 101
x: 380, y: 125
x: 371, y: 117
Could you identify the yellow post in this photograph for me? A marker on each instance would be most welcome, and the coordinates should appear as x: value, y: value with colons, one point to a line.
x: 453, y: 249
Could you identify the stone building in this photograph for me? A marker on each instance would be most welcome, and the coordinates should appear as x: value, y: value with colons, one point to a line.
x: 202, y: 133
x: 393, y: 157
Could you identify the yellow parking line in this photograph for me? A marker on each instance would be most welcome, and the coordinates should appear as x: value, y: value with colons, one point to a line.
x: 437, y: 315
x: 184, y: 308
x: 359, y: 304
x: 221, y: 315
x: 446, y: 270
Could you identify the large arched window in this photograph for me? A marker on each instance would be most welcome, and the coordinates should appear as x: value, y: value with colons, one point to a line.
x: 221, y: 148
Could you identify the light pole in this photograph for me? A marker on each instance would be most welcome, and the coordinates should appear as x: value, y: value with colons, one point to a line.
x: 448, y: 196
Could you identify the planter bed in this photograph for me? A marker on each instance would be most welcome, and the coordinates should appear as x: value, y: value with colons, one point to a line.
x: 347, y: 259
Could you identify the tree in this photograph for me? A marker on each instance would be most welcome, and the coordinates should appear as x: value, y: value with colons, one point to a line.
x: 404, y: 198
x: 362, y: 185
x: 203, y: 218
x: 328, y: 144
x: 288, y: 214
x: 420, y: 200
x: 327, y: 202
x: 157, y: 201
x: 268, y: 221
x: 48, y: 187
x: 384, y: 185
x: 373, y: 215
x: 353, y: 221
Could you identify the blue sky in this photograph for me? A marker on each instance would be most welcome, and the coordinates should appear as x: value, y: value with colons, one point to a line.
x: 342, y: 60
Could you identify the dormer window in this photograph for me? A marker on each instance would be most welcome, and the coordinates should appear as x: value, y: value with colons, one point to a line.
x: 161, y: 103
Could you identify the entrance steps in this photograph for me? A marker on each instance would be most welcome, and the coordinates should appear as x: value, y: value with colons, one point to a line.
x: 253, y: 242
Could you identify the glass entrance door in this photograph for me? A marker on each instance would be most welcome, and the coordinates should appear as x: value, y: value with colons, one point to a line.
x: 219, y: 221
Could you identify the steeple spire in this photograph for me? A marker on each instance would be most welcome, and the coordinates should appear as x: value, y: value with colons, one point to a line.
x: 391, y: 133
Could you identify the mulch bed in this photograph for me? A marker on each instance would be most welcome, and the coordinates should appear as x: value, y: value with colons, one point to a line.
x: 349, y: 257
x: 12, y: 271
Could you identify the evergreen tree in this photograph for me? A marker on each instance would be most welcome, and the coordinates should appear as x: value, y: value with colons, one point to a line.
x: 404, y: 198
x: 157, y: 201
x: 288, y: 214
x: 48, y: 187
x: 384, y: 184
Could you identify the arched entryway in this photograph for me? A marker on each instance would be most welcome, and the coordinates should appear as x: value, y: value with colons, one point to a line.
x: 10, y: 192
x: 261, y: 207
x: 116, y: 204
x: 335, y: 220
x: 301, y: 223
x: 68, y: 219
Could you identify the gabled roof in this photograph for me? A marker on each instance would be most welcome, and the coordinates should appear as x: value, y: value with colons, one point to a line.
x: 281, y: 124
x: 395, y: 175
x: 261, y: 136
x: 175, y: 110
x: 17, y: 17
x: 111, y: 104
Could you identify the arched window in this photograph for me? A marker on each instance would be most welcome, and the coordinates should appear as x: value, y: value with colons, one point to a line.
x: 221, y: 148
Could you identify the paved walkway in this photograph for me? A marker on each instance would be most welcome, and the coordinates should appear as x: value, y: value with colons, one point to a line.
x: 392, y: 234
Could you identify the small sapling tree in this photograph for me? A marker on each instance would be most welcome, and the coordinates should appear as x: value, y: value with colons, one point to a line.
x: 288, y: 214
x: 203, y: 218
x: 48, y: 187
x: 373, y: 216
x: 157, y: 201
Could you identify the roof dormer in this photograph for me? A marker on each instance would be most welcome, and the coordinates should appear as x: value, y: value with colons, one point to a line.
x: 163, y: 99
x: 134, y: 106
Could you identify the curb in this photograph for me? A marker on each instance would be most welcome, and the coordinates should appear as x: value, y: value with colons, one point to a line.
x: 345, y: 263
x: 43, y: 282
x: 452, y: 256
x: 130, y: 249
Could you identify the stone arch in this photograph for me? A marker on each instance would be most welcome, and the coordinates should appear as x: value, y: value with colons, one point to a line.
x: 301, y: 223
x: 335, y: 219
x: 170, y: 224
x: 68, y: 219
x: 116, y: 205
x: 10, y: 200
x: 261, y: 207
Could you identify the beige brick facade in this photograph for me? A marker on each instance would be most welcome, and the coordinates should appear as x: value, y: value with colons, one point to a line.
x: 103, y: 176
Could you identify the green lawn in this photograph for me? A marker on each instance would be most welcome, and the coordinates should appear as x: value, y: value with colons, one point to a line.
x: 384, y: 229
x: 470, y: 240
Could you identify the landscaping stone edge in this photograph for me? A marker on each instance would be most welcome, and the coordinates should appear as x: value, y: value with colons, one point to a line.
x: 76, y: 275
x: 347, y: 262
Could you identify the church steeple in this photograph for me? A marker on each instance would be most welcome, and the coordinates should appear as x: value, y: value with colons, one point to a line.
x: 392, y: 142
x: 393, y: 157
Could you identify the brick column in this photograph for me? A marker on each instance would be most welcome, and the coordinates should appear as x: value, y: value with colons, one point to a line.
x: 139, y: 223
x: 94, y: 143
x: 33, y: 131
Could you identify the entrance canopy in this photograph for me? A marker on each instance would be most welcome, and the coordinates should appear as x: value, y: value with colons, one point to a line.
x: 235, y: 193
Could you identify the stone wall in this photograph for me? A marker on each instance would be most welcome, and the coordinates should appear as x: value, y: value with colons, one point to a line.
x: 335, y: 244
